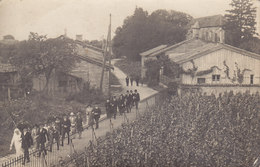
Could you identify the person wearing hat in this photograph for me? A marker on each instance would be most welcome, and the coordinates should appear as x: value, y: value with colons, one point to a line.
x: 114, y: 106
x: 121, y: 104
x: 65, y: 129
x: 136, y: 98
x: 96, y: 112
x: 43, y: 137
x: 128, y: 98
x: 27, y: 142
x: 54, y: 134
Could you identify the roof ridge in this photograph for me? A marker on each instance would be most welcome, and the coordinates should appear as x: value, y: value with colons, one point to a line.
x: 172, y: 46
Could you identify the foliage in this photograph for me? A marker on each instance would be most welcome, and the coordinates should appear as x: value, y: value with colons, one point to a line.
x: 87, y: 95
x: 153, y: 66
x: 36, y: 108
x: 152, y: 72
x: 192, y: 71
x: 6, y: 51
x: 130, y: 68
x: 39, y: 55
x: 141, y: 32
x: 252, y: 45
x: 192, y: 130
x: 240, y: 25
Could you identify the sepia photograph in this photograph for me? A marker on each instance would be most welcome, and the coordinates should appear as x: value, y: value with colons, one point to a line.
x: 130, y: 83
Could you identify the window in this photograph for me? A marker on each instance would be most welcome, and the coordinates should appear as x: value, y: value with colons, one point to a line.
x: 215, y: 77
x: 251, y: 79
x: 216, y: 38
x: 201, y: 80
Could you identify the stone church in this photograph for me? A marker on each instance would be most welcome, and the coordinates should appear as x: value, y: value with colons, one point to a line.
x: 209, y: 64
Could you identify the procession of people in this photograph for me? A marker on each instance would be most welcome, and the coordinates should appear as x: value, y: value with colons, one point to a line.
x: 42, y: 138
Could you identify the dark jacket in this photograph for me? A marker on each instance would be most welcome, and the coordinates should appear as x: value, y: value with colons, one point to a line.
x: 43, y: 135
x: 136, y: 97
x: 66, y: 125
x: 27, y: 140
x: 96, y: 113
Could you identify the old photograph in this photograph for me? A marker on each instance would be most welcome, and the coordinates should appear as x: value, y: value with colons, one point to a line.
x: 130, y: 83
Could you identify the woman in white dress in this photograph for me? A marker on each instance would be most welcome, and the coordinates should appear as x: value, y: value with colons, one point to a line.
x: 17, y: 142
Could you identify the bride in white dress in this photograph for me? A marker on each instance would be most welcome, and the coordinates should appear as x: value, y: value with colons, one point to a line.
x: 17, y: 142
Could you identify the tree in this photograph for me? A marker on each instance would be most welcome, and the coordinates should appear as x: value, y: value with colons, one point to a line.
x: 130, y: 38
x: 240, y: 25
x: 153, y: 66
x: 252, y: 45
x: 141, y: 32
x: 41, y: 56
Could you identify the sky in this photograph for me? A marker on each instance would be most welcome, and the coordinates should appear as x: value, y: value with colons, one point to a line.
x: 88, y: 17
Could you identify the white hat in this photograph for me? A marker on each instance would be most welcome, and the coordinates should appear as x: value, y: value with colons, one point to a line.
x: 72, y: 113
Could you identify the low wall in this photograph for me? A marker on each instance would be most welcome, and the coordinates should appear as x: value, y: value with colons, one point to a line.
x: 217, y: 89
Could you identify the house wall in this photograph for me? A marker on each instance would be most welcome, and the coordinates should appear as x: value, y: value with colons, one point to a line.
x: 213, y: 34
x: 217, y: 58
x: 85, y: 71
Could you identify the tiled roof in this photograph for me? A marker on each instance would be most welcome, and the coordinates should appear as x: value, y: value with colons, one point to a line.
x: 210, y: 21
x: 91, y: 55
x: 150, y: 51
x: 195, y: 42
x: 209, y: 48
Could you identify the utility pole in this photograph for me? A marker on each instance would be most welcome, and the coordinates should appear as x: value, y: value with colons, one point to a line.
x: 107, y: 54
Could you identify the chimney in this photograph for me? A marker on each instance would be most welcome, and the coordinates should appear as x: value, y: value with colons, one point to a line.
x: 79, y: 37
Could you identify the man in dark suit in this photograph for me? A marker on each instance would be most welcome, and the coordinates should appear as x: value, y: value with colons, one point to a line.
x: 128, y: 101
x: 127, y: 80
x: 54, y: 134
x: 65, y: 129
x: 136, y: 98
x: 114, y: 106
x: 27, y: 142
x: 43, y: 137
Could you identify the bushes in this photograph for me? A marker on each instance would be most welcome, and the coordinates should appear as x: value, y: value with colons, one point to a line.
x: 87, y: 95
x: 130, y: 68
x: 192, y: 130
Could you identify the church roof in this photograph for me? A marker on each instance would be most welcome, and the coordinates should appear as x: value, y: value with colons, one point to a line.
x: 209, y: 21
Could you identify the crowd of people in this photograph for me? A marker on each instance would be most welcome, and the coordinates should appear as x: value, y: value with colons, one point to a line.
x: 40, y: 138
x: 37, y: 137
x: 189, y: 130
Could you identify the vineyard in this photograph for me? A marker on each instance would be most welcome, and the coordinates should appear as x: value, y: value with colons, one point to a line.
x: 192, y: 130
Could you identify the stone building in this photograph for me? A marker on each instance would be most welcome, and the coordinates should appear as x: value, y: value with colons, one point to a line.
x: 88, y: 70
x: 208, y: 63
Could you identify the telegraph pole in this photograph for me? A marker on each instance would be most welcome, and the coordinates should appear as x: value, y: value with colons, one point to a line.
x: 109, y: 56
